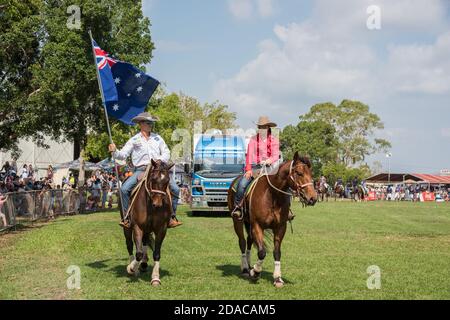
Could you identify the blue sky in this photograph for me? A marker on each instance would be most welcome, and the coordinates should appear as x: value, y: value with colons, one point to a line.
x: 280, y: 57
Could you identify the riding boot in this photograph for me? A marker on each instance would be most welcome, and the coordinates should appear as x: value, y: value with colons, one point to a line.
x: 174, y: 222
x: 237, y: 211
x: 125, y: 223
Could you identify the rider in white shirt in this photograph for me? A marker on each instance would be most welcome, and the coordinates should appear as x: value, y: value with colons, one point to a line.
x: 144, y: 147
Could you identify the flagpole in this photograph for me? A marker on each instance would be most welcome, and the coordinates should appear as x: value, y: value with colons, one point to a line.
x: 107, y: 124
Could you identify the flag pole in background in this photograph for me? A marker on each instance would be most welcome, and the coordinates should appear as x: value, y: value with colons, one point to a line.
x: 107, y: 124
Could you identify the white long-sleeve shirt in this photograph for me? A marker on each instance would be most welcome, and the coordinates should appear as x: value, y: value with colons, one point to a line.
x: 142, y: 150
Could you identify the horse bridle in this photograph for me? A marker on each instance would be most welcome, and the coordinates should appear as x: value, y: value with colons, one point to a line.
x: 299, y: 187
x: 149, y: 192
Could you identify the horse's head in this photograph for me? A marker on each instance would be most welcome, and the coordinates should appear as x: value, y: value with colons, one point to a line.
x: 300, y: 179
x: 158, y: 181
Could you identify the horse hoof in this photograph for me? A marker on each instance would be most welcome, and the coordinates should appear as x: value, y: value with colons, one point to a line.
x: 278, y: 283
x: 155, y: 282
x: 132, y: 272
x: 143, y: 266
x: 245, y: 272
x: 254, y: 275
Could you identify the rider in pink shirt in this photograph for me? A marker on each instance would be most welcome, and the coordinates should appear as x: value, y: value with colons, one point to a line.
x: 263, y: 149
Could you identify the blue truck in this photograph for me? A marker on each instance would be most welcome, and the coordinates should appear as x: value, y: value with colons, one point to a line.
x: 218, y: 160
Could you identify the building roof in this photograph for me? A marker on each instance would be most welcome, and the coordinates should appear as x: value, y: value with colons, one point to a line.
x: 416, y: 177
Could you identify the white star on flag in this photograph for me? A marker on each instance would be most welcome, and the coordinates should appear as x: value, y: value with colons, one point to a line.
x: 117, y: 80
x: 129, y: 95
x: 138, y: 75
x: 139, y: 89
x: 116, y: 107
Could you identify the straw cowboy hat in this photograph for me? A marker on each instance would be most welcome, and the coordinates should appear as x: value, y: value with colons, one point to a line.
x: 265, y: 121
x: 144, y: 116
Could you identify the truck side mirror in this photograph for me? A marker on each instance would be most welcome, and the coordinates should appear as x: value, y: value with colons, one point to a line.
x: 187, y: 168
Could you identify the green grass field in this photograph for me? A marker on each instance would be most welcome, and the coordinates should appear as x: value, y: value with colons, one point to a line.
x: 326, y: 257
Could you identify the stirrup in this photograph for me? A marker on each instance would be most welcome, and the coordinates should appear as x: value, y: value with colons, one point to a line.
x: 237, y: 212
x: 125, y: 224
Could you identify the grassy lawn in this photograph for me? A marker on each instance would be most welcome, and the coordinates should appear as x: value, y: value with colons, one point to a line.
x: 326, y: 257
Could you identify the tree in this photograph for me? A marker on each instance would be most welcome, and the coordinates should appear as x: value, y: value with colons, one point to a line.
x: 333, y: 171
x: 316, y: 139
x: 19, y: 50
x: 67, y: 102
x: 175, y: 111
x: 355, y: 126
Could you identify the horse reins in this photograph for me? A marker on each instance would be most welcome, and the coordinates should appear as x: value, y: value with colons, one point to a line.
x: 298, y: 189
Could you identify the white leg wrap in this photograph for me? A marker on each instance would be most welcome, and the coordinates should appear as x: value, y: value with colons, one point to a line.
x: 258, y: 266
x: 155, y: 273
x: 134, y: 264
x: 249, y: 256
x: 130, y: 259
x: 132, y: 268
x: 244, y: 262
x: 277, y: 270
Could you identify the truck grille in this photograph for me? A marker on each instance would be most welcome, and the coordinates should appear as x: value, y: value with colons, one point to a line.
x: 217, y: 204
x: 216, y: 191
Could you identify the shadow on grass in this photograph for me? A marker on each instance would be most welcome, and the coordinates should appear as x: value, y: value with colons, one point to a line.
x: 230, y: 270
x: 120, y: 270
x: 208, y: 214
x: 20, y: 228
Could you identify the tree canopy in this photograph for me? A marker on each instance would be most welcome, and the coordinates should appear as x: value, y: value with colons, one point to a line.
x: 175, y: 111
x: 337, y: 138
x: 19, y: 51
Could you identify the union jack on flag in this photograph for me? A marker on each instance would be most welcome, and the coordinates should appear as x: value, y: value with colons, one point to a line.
x: 102, y: 57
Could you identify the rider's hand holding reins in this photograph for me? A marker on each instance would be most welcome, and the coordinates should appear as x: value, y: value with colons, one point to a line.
x: 248, y: 174
x: 112, y: 147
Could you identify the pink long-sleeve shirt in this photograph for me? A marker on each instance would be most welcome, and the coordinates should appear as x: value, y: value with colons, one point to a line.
x: 268, y: 148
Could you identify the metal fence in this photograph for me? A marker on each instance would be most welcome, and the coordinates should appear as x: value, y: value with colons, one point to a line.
x: 29, y: 206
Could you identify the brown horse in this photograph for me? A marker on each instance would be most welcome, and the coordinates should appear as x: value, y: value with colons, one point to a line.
x: 267, y: 207
x: 150, y: 212
x: 359, y: 194
x: 322, y: 192
x: 339, y: 192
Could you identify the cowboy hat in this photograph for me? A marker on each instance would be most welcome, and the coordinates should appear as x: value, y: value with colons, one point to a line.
x: 144, y: 116
x: 265, y: 121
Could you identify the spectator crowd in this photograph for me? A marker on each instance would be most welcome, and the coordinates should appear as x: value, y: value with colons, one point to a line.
x: 31, y: 193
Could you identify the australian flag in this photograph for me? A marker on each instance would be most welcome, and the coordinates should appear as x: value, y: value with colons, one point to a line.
x: 126, y: 89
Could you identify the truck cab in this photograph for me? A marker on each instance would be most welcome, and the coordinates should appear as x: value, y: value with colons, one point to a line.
x: 218, y: 160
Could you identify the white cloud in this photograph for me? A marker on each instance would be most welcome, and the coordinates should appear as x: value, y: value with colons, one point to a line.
x: 246, y: 9
x: 421, y: 68
x: 332, y: 56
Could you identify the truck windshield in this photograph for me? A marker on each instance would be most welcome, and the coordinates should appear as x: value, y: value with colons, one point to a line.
x: 219, y: 165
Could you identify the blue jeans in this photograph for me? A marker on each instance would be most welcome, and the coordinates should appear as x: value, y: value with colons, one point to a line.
x: 242, y: 186
x: 128, y: 186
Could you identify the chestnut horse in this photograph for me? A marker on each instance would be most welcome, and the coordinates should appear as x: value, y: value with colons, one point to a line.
x: 266, y: 206
x: 339, y: 192
x: 150, y: 212
x: 322, y: 192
